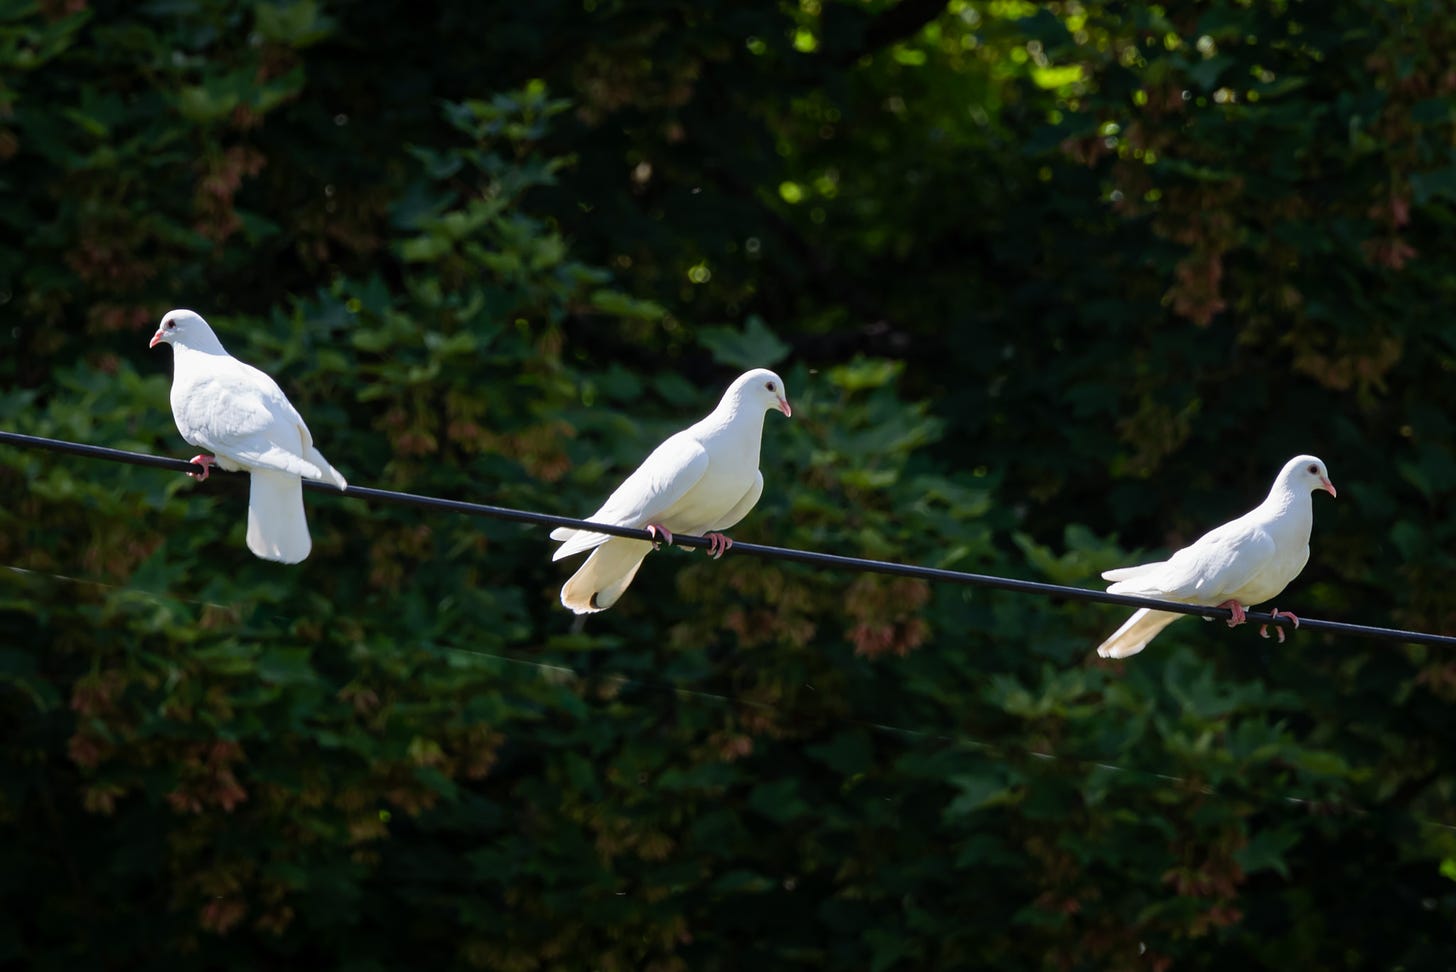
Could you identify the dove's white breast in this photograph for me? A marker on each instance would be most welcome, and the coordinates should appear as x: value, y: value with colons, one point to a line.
x: 1253, y: 558
x: 733, y: 453
x: 1289, y: 530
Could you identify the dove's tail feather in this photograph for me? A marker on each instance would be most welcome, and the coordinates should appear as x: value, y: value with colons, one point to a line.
x: 598, y: 583
x: 277, y: 529
x: 1136, y: 632
x: 329, y: 473
x: 1128, y: 573
x: 575, y: 541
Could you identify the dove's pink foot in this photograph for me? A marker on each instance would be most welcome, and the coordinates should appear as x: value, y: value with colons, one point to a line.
x: 206, y: 463
x: 1264, y: 628
x: 660, y: 534
x: 718, y: 544
x: 1238, y: 611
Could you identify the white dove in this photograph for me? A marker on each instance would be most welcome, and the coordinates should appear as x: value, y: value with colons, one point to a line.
x: 1245, y: 561
x: 242, y: 416
x: 699, y: 481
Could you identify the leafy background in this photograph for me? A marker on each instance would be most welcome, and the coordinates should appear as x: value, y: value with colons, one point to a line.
x: 1052, y: 286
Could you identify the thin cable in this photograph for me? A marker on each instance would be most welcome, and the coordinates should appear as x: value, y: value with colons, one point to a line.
x: 123, y: 588
x: 760, y: 550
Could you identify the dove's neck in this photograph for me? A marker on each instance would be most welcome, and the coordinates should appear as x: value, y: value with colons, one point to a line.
x: 1294, y: 507
x: 732, y: 424
x: 198, y: 345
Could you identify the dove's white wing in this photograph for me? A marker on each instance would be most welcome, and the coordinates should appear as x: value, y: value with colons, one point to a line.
x: 1211, y: 569
x: 663, y: 480
x: 240, y: 421
x: 1130, y: 573
x: 291, y: 423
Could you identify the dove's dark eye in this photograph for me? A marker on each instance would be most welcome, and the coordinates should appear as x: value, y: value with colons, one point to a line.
x: 1314, y: 470
x: 171, y: 325
x: 770, y: 386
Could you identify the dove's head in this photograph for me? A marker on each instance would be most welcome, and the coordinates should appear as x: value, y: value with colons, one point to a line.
x: 185, y: 328
x: 1306, y: 472
x: 760, y: 386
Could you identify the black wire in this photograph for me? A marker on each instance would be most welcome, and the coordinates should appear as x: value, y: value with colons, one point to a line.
x: 758, y: 550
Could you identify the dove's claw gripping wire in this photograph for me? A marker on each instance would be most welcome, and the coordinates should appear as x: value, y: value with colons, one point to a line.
x: 660, y: 535
x: 1238, y: 611
x: 1264, y: 628
x: 206, y: 463
x: 718, y: 544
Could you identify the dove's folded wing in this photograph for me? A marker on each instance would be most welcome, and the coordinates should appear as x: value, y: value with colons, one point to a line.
x: 235, y: 422
x: 651, y: 492
x: 1131, y: 573
x: 1207, y: 570
x: 1220, y: 563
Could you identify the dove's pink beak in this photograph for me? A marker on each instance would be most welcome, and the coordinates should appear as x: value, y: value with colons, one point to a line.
x: 156, y: 339
x: 1328, y: 486
x: 784, y: 407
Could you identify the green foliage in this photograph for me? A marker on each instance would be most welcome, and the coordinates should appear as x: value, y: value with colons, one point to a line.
x: 1046, y: 283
